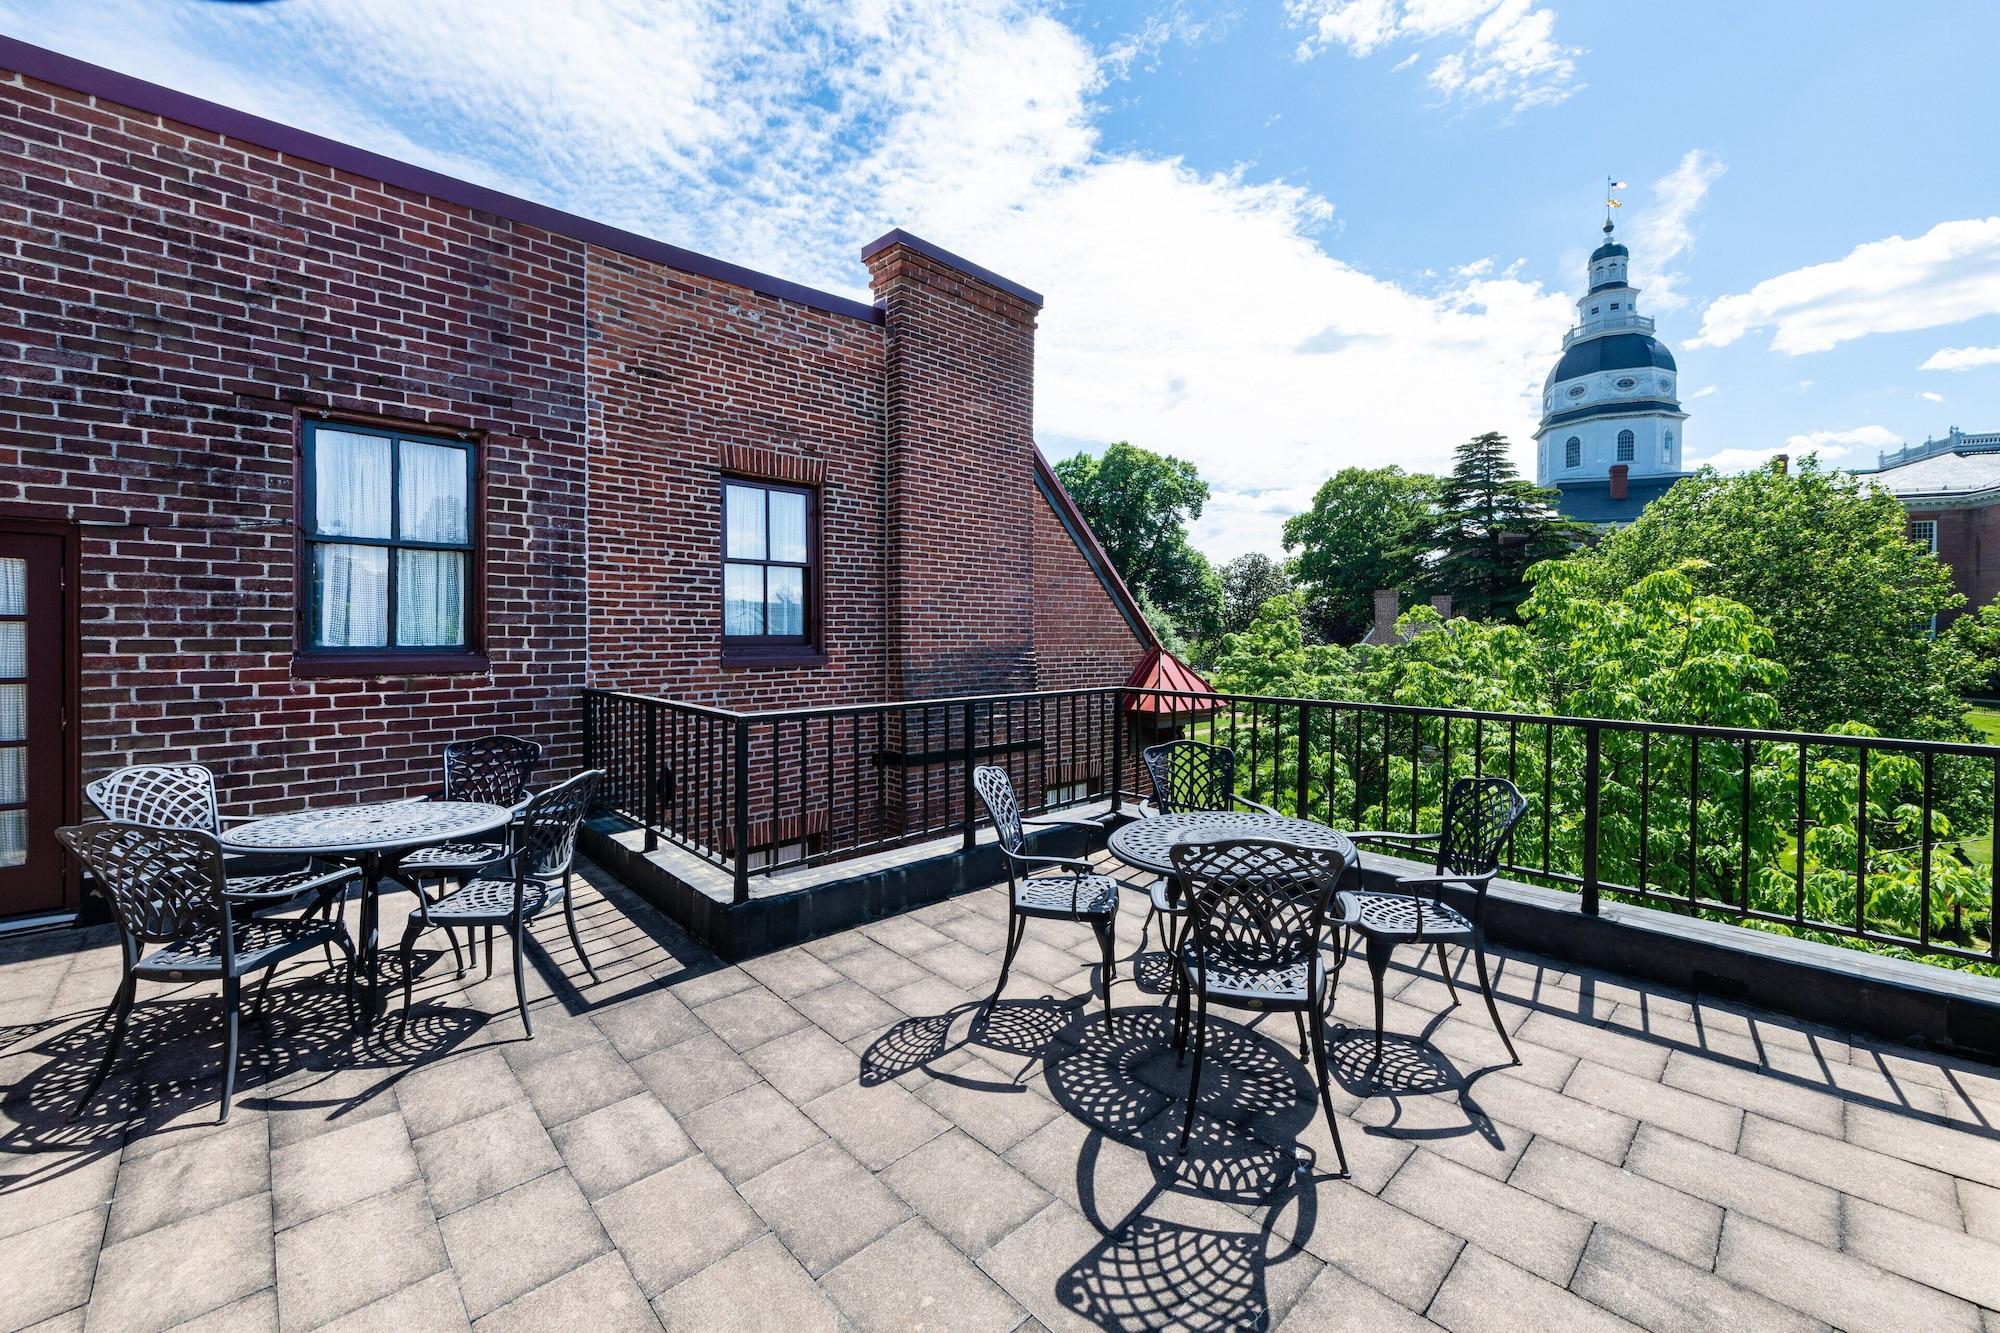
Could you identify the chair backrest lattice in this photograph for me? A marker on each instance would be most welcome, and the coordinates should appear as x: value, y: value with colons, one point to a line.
x: 494, y: 769
x: 1479, y: 813
x: 168, y: 796
x: 996, y: 793
x: 545, y: 832
x: 1255, y: 904
x: 163, y: 883
x: 1191, y: 775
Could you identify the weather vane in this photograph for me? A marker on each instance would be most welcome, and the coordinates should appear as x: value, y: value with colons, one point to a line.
x: 1610, y: 188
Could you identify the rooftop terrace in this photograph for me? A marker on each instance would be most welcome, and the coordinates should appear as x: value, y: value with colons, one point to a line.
x: 816, y: 1139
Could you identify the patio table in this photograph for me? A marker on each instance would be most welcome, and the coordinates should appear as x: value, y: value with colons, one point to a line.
x: 1143, y: 844
x: 377, y: 835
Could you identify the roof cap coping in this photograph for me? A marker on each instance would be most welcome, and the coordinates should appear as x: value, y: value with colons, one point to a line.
x: 938, y: 254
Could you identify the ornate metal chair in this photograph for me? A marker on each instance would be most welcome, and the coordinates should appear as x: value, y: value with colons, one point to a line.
x: 491, y: 769
x: 1071, y: 893
x: 1479, y: 813
x: 1188, y: 775
x: 182, y: 796
x: 167, y: 886
x: 1257, y: 923
x: 532, y: 877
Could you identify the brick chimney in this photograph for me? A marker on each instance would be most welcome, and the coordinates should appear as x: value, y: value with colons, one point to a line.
x: 960, y: 347
x: 1442, y: 605
x: 1781, y: 464
x: 1387, y: 600
x: 1618, y: 473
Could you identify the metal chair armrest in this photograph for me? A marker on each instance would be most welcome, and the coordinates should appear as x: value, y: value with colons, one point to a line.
x: 1065, y: 862
x: 1257, y: 805
x: 1390, y: 835
x: 1147, y: 809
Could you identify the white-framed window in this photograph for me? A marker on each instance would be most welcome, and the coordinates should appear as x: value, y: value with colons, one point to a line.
x: 1923, y: 532
x: 1667, y: 448
x: 1627, y: 445
x: 1572, y: 452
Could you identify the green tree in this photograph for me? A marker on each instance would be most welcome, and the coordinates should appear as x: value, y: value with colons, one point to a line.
x: 1489, y: 528
x: 1139, y: 504
x: 1363, y: 532
x: 1248, y: 582
x: 1824, y: 561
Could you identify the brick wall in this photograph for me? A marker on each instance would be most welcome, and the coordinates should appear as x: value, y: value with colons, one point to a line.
x: 960, y: 470
x: 173, y: 300
x: 1079, y: 632
x: 169, y: 301
x: 690, y: 378
x: 1963, y: 538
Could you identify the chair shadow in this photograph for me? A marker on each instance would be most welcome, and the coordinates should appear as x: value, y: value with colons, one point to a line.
x: 168, y: 1072
x: 1409, y: 1067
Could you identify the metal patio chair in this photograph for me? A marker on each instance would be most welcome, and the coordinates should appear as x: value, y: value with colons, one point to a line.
x: 1069, y: 891
x: 182, y: 796
x: 1479, y: 813
x: 1187, y: 776
x: 531, y: 878
x: 1257, y: 923
x: 167, y: 886
x: 491, y: 769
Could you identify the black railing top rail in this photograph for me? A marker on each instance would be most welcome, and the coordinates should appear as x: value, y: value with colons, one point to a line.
x: 1970, y: 749
x: 848, y: 710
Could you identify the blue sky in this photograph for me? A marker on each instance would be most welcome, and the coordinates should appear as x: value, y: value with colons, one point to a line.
x: 1276, y: 239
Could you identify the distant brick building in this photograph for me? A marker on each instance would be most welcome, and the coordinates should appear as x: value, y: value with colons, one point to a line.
x: 311, y: 460
x: 1951, y: 490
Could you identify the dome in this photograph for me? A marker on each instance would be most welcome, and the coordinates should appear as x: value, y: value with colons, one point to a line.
x: 1618, y: 351
x: 1608, y: 250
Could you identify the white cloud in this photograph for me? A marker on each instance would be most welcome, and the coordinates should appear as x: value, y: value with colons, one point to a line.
x: 1502, y: 51
x: 1949, y: 274
x: 1961, y: 358
x: 1930, y: 397
x: 1831, y: 446
x: 1665, y: 231
x: 1705, y: 391
x: 1198, y: 313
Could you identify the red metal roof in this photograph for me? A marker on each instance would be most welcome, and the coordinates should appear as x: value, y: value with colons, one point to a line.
x: 1161, y: 670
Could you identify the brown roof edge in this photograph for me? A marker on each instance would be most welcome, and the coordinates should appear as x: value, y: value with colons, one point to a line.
x: 1058, y: 497
x: 109, y: 85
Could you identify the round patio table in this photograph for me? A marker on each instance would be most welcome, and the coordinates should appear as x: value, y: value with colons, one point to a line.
x: 377, y: 835
x: 1143, y: 844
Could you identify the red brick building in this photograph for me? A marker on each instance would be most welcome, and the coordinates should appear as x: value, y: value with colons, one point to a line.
x: 311, y: 460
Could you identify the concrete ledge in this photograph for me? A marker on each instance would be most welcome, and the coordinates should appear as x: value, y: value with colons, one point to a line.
x: 1892, y: 998
x: 791, y: 908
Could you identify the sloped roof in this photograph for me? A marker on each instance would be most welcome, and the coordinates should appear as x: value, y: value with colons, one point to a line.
x: 1161, y: 670
x: 1591, y: 502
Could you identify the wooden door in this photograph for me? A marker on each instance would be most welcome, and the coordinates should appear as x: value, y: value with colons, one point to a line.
x: 35, y: 777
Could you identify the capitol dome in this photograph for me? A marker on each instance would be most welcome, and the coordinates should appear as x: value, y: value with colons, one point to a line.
x: 1611, y: 428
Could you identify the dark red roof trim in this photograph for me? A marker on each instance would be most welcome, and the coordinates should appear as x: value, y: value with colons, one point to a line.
x: 95, y: 81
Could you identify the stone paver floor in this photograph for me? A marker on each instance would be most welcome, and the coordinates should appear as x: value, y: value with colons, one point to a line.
x: 819, y: 1140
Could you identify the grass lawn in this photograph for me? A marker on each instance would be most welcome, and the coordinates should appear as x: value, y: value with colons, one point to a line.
x: 1986, y: 721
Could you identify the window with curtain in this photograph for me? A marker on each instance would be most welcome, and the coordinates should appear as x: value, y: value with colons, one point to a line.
x: 389, y: 541
x: 766, y: 564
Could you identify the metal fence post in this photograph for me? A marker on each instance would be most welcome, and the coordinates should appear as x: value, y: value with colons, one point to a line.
x: 741, y: 803
x: 1118, y: 750
x: 971, y: 833
x: 1591, y: 799
x: 1299, y: 796
x: 652, y: 793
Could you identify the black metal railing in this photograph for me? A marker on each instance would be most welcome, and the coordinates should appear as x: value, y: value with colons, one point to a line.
x: 755, y: 793
x: 1854, y: 837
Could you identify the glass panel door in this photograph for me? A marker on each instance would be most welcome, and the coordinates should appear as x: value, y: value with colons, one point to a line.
x: 33, y: 760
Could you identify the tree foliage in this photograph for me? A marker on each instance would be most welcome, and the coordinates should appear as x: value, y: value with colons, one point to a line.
x: 1249, y: 581
x: 1824, y: 561
x: 1363, y: 532
x: 1489, y: 527
x: 1139, y: 504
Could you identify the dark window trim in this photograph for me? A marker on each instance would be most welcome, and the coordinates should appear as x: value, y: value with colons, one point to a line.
x: 807, y: 649
x: 308, y: 661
